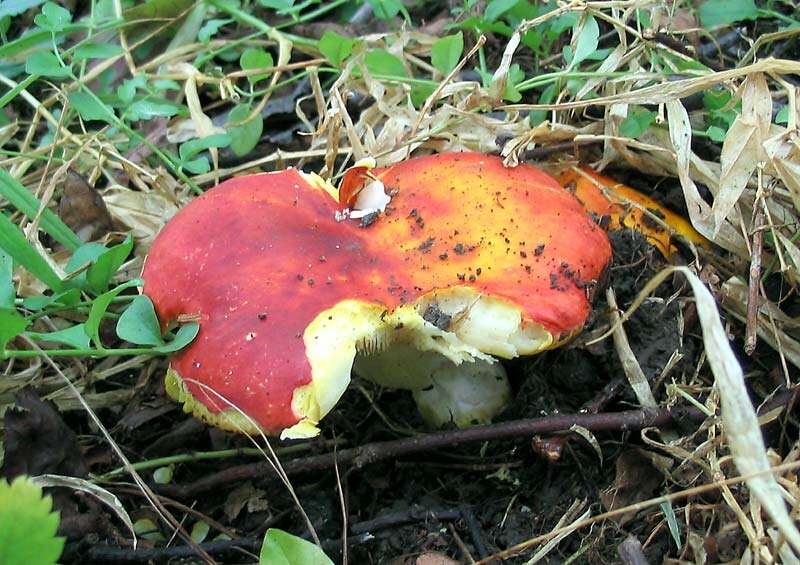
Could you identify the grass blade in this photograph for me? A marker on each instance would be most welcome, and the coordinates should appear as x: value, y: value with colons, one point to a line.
x: 25, y: 202
x: 13, y: 241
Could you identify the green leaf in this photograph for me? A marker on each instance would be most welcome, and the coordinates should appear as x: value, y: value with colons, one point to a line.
x: 82, y: 259
x: 497, y: 8
x: 74, y: 336
x: 200, y: 531
x: 387, y: 9
x: 148, y: 109
x: 16, y: 7
x: 281, y: 5
x: 636, y: 122
x: 100, y: 306
x: 381, y: 62
x: 67, y: 298
x: 52, y: 17
x: 197, y: 166
x: 46, y: 64
x: 255, y: 58
x: 19, y: 197
x: 782, y: 117
x: 244, y: 137
x: 12, y: 323
x: 210, y: 29
x: 715, y: 13
x: 336, y: 48
x: 163, y: 475
x: 127, y: 90
x: 7, y: 291
x: 97, y: 51
x: 282, y: 548
x: 27, y: 525
x: 184, y: 336
x: 139, y: 324
x: 104, y: 267
x: 716, y: 133
x: 90, y: 108
x: 586, y: 44
x: 672, y: 523
x: 420, y: 93
x: 193, y: 147
x: 14, y: 243
x: 446, y: 52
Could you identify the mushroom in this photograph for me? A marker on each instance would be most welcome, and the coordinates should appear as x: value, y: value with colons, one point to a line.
x: 626, y: 207
x: 426, y: 268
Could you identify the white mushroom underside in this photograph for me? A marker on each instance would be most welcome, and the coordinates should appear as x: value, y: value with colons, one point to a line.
x: 419, y: 347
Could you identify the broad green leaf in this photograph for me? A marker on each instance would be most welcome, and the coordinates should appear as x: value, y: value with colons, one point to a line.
x: 157, y: 10
x: 381, y: 62
x: 636, y: 122
x: 277, y: 4
x: 27, y: 525
x: 97, y: 51
x: 46, y: 64
x: 197, y: 166
x: 497, y: 8
x: 183, y: 337
x: 139, y: 324
x: 7, y: 291
x: 211, y: 28
x: 67, y: 298
x: 446, y: 52
x: 255, y: 58
x: 336, y: 48
x: 103, y: 268
x: 193, y: 147
x: 14, y: 7
x: 127, y: 90
x: 19, y: 197
x: 52, y: 17
x: 83, y: 257
x: 12, y: 323
x: 163, y: 475
x: 588, y: 36
x: 386, y: 9
x: 715, y: 13
x: 282, y: 548
x: 200, y: 531
x: 782, y: 117
x: 244, y: 137
x: 90, y: 108
x: 716, y: 133
x: 420, y: 93
x: 147, y: 110
x: 14, y: 243
x: 74, y: 336
x: 99, y: 308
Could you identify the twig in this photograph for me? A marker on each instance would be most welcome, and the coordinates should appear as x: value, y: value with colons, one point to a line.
x: 369, y: 453
x: 751, y: 324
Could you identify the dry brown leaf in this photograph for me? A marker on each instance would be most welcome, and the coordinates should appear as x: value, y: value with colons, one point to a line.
x: 743, y: 146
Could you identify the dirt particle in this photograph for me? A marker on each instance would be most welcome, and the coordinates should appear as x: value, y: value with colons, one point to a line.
x: 426, y: 245
x: 539, y: 249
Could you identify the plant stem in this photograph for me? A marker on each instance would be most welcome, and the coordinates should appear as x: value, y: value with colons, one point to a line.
x: 207, y: 455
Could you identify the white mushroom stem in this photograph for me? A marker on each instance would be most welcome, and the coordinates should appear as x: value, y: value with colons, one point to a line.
x: 468, y: 393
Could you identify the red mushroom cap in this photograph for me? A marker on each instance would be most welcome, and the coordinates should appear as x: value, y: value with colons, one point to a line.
x: 287, y: 292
